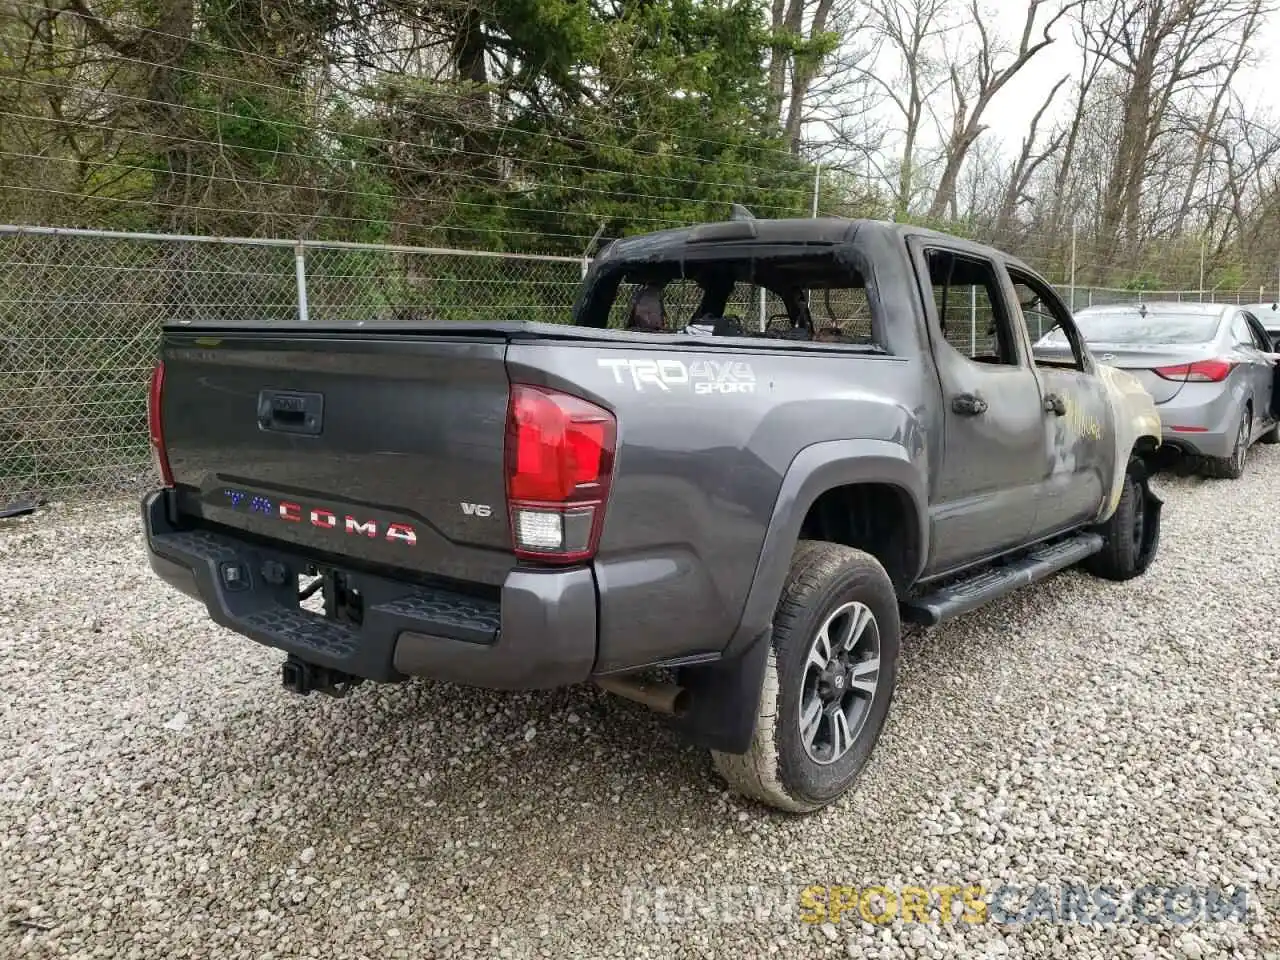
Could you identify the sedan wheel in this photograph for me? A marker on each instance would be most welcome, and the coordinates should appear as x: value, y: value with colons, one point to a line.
x: 1232, y: 467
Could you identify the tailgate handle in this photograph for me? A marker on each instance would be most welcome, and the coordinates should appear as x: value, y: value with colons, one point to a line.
x: 287, y: 411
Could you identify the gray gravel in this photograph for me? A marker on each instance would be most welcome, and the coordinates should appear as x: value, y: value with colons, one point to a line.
x: 160, y: 797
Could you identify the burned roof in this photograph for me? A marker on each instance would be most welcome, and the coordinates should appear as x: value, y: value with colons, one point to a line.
x: 798, y: 231
x: 810, y: 230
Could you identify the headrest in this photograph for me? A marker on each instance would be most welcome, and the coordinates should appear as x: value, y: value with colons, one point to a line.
x: 646, y: 309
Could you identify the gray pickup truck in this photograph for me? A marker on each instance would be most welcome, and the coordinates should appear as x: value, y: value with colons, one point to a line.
x: 759, y: 447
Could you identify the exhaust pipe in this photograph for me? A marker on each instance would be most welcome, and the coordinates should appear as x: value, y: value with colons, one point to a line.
x: 668, y: 698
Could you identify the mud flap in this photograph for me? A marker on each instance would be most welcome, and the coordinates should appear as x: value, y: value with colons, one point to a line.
x: 724, y: 699
x: 1151, y: 506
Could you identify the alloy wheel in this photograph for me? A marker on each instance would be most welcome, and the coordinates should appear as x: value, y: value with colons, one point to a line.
x: 841, y: 677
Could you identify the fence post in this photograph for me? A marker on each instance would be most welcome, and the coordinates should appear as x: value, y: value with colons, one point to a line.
x: 300, y: 273
x: 1073, y: 269
x: 586, y: 252
x: 1202, y: 271
x: 973, y: 321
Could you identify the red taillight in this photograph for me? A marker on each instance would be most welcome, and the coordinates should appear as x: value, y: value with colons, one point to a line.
x: 559, y: 465
x: 1202, y: 371
x: 155, y: 426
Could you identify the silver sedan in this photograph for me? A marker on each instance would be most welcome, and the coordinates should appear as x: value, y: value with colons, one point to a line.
x: 1210, y: 368
x: 1268, y: 314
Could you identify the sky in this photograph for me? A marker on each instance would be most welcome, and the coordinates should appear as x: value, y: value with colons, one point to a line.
x: 1014, y: 107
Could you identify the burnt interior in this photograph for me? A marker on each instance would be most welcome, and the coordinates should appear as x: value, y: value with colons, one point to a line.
x: 822, y: 295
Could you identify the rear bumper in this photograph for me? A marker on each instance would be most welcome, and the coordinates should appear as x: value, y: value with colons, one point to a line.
x: 540, y: 633
x: 1208, y: 416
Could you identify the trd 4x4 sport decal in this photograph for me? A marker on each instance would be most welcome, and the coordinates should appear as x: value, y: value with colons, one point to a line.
x: 702, y: 376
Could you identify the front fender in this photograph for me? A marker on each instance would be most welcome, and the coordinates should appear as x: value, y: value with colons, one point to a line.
x: 815, y: 470
x: 1135, y: 417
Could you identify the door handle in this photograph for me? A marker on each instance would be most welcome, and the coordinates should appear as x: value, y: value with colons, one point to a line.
x: 289, y: 412
x: 1054, y: 404
x: 968, y: 405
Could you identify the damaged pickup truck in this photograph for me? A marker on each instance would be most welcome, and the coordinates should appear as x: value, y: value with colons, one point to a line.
x: 758, y: 448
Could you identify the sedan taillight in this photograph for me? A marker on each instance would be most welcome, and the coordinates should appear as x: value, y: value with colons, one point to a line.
x: 1202, y: 371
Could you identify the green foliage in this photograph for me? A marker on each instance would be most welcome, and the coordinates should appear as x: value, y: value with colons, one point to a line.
x: 685, y: 134
x: 1229, y: 276
x: 1144, y: 281
x: 635, y: 115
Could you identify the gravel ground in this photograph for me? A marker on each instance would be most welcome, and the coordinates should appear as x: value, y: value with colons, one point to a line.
x: 161, y: 797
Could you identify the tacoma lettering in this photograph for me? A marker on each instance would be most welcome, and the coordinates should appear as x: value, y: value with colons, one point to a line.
x: 320, y: 518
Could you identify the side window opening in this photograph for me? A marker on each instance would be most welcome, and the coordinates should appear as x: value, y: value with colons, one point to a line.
x: 1260, y: 338
x: 970, y: 310
x: 1054, y: 339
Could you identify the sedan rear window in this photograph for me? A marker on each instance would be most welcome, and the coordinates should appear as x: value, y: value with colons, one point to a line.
x: 1135, y: 327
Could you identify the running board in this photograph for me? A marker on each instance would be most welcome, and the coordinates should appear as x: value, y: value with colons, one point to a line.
x: 995, y: 582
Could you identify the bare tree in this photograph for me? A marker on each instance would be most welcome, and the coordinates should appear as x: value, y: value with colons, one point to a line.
x: 831, y: 112
x: 1028, y: 161
x: 973, y: 89
x: 1162, y: 50
x: 1090, y: 67
x: 815, y: 45
x: 908, y: 31
x: 1210, y: 126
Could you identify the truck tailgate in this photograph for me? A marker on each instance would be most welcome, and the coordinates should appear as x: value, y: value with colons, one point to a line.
x: 384, y: 449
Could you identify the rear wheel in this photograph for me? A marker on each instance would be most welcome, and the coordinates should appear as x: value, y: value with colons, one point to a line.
x: 1232, y: 467
x: 828, y: 682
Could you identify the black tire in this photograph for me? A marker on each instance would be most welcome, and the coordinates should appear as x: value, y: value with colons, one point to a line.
x: 779, y: 768
x: 1130, y: 536
x: 1232, y: 467
x: 1271, y: 436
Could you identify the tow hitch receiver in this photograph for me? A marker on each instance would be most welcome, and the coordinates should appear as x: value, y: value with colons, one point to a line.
x: 299, y: 676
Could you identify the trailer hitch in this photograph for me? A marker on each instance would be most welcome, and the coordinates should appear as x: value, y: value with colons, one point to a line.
x: 300, y: 677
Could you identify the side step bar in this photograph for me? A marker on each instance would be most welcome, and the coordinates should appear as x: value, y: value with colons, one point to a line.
x: 991, y: 583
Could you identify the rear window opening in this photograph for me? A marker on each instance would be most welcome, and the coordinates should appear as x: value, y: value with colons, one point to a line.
x: 1142, y: 327
x: 804, y: 297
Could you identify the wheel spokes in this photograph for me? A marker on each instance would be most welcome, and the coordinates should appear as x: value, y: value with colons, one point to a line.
x: 841, y: 735
x: 852, y: 629
x: 864, y: 676
x: 811, y: 720
x: 820, y: 653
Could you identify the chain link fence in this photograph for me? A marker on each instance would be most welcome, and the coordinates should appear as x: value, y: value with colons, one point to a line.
x: 80, y: 314
x: 1112, y: 296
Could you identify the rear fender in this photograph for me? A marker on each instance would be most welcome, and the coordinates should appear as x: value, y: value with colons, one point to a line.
x: 725, y: 694
x: 815, y: 470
